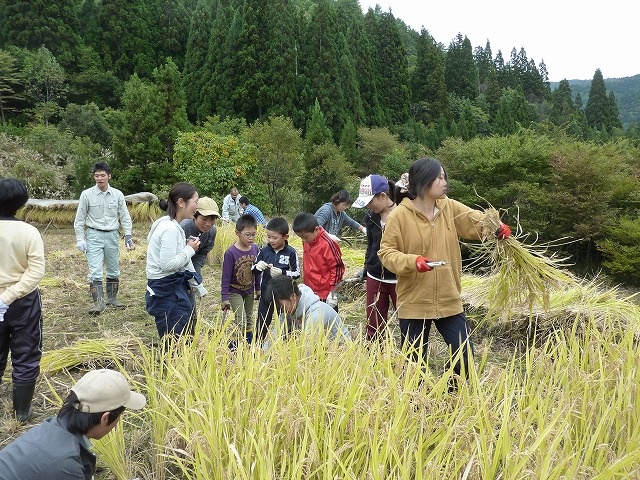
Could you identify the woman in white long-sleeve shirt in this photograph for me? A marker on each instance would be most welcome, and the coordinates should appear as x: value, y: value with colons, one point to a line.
x: 170, y: 273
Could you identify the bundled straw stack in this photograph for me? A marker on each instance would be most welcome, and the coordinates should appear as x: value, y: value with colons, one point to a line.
x: 142, y: 206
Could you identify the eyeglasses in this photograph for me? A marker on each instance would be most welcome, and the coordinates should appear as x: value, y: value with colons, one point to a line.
x: 249, y: 235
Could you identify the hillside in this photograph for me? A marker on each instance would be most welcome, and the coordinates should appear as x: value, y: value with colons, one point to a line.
x: 626, y: 90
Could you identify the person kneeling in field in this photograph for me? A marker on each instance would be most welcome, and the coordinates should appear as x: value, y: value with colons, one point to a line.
x: 301, y: 309
x: 59, y: 447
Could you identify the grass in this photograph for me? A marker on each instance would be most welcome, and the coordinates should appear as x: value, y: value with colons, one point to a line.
x: 562, y: 404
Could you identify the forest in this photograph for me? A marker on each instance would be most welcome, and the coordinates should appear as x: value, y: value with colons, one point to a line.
x: 292, y: 100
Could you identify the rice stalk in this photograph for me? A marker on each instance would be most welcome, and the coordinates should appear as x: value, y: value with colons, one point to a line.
x: 520, y: 274
x: 85, y: 352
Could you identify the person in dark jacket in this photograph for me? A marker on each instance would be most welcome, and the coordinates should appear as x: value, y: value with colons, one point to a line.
x: 376, y: 194
x: 59, y: 447
x: 275, y: 259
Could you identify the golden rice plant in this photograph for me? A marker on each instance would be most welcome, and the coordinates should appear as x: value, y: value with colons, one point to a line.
x: 324, y: 410
x: 520, y: 274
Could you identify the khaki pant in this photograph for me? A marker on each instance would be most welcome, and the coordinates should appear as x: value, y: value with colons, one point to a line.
x: 242, y: 306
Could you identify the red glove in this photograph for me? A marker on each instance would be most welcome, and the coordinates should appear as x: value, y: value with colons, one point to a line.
x: 421, y: 264
x: 503, y: 231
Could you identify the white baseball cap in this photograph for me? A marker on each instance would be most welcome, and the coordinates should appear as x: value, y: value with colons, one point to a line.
x: 105, y: 390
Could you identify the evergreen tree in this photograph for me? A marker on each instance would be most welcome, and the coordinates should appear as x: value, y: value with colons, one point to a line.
x: 126, y: 44
x: 512, y: 113
x: 326, y: 169
x: 263, y: 56
x: 279, y: 98
x: 562, y: 106
x: 140, y: 157
x: 317, y: 132
x: 501, y: 70
x: 323, y: 51
x: 392, y: 66
x: 614, y: 115
x: 169, y: 29
x: 197, y: 50
x: 599, y: 110
x: 89, y: 29
x: 460, y: 70
x: 486, y: 68
x: 428, y: 86
x: 222, y: 32
x: 493, y: 94
x: 363, y: 53
x: 225, y: 74
x: 33, y: 24
x: 174, y: 111
x: 349, y: 143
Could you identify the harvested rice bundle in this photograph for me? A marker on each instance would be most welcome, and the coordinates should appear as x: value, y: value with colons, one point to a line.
x: 145, y: 211
x: 520, y: 274
x: 85, y: 352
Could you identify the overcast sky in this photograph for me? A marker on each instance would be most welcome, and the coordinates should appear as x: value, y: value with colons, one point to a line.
x: 573, y: 37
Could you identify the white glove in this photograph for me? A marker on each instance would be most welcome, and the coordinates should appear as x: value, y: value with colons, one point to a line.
x: 3, y: 309
x: 261, y: 265
x: 82, y: 245
x: 334, y: 238
x: 128, y: 242
x: 332, y: 300
x: 200, y: 290
x: 364, y: 230
x: 275, y: 271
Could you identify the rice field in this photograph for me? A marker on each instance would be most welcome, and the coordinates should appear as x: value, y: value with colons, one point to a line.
x: 552, y: 393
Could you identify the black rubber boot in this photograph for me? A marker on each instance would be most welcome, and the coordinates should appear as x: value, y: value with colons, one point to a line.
x: 98, y: 298
x: 112, y: 293
x: 22, y: 396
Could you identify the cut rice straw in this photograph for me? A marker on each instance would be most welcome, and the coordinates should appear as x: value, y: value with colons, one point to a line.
x: 85, y: 352
x: 521, y: 275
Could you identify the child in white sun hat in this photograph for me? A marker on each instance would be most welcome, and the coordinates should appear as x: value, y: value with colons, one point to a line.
x: 377, y: 195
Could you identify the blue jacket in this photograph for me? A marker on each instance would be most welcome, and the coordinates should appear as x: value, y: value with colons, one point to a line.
x: 48, y: 450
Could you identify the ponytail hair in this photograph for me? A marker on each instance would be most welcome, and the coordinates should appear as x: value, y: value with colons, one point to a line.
x: 181, y: 190
x: 422, y: 173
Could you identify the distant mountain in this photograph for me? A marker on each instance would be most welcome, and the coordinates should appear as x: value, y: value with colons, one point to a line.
x: 626, y: 90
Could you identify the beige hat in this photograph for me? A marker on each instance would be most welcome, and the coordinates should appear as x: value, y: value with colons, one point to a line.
x: 105, y: 390
x: 207, y: 206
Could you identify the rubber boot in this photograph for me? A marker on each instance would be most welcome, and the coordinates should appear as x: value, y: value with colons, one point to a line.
x: 22, y: 396
x: 112, y: 293
x: 248, y: 336
x: 98, y: 298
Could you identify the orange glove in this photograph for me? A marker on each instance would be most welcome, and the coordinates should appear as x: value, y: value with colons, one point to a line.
x: 422, y: 264
x: 503, y: 231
